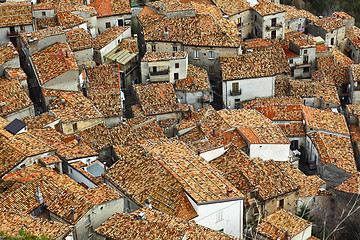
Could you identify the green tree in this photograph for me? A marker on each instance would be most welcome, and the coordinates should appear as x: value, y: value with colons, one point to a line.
x: 23, y: 235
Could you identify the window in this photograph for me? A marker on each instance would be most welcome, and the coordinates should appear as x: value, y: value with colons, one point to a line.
x: 22, y: 28
x: 294, y: 144
x: 255, y: 18
x: 235, y: 87
x: 175, y: 48
x: 291, y: 61
x: 108, y: 25
x: 43, y: 13
x: 176, y: 76
x: 75, y: 127
x: 306, y: 69
x: 121, y: 22
x: 273, y: 22
x: 219, y: 216
x: 154, y: 69
x: 196, y: 53
x: 305, y: 51
x: 211, y: 69
x: 281, y: 204
x: 153, y: 48
x: 237, y: 103
x: 177, y: 65
x: 211, y: 54
x: 273, y: 34
x: 238, y: 22
x: 221, y: 230
x: 306, y: 59
x: 332, y: 41
x: 88, y: 220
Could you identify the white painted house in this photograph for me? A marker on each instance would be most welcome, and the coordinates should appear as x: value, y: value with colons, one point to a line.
x: 242, y: 75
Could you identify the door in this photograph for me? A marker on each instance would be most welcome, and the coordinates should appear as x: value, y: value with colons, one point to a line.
x: 121, y: 22
x: 273, y: 34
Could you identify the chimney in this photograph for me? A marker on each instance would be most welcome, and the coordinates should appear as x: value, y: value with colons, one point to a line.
x: 38, y: 196
x: 73, y: 214
x: 166, y: 33
x: 141, y: 216
x: 148, y: 203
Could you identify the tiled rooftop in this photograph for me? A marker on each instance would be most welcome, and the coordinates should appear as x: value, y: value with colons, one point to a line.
x: 108, y: 102
x: 256, y: 43
x: 341, y: 59
x: 50, y: 160
x: 43, y: 6
x: 33, y: 172
x: 42, y: 23
x: 129, y: 44
x: 69, y: 20
x: 265, y: 7
x: 54, y: 61
x: 171, y: 5
x: 15, y: 73
x: 163, y: 56
x: 104, y: 76
x: 255, y: 127
x: 352, y: 31
x: 280, y: 224
x: 204, y: 184
x: 97, y: 137
x: 292, y: 13
x: 27, y: 38
x: 15, y: 14
x: 148, y: 16
x: 342, y: 15
x: 108, y: 36
x: 23, y: 199
x: 232, y: 7
x: 79, y: 39
x: 155, y: 225
x: 80, y: 166
x: 111, y: 7
x: 157, y: 98
x: 266, y: 177
x: 350, y: 185
x: 353, y: 109
x: 7, y: 53
x: 67, y: 150
x: 335, y: 150
x: 11, y: 223
x: 355, y: 72
x: 13, y: 97
x: 154, y: 183
x: 196, y: 80
x: 40, y: 121
x: 309, y: 185
x: 329, y: 23
x: 74, y: 6
x: 355, y: 40
x: 266, y: 62
x: 318, y: 119
x: 74, y: 107
x: 100, y: 194
x: 201, y: 30
x: 9, y: 157
x: 278, y: 108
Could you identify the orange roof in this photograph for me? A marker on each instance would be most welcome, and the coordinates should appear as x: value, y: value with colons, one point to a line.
x: 111, y: 7
x: 288, y: 52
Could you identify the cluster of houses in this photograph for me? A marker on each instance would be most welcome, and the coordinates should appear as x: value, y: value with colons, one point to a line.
x: 200, y: 119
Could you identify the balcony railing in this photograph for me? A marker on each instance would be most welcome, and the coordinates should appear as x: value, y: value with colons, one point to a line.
x: 13, y: 33
x: 159, y: 73
x: 304, y: 64
x: 235, y: 92
x: 275, y: 26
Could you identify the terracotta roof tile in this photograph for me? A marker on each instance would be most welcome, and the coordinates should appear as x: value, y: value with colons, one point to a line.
x: 201, y: 30
x: 232, y: 7
x: 204, y: 184
x: 43, y: 23
x: 27, y: 38
x: 324, y: 120
x: 163, y: 56
x: 100, y: 194
x: 279, y: 224
x: 108, y: 102
x: 98, y: 137
x: 278, y: 108
x: 11, y: 223
x: 74, y: 107
x: 108, y: 36
x: 43, y: 6
x: 148, y: 16
x: 350, y: 185
x: 329, y: 23
x: 69, y: 20
x: 197, y: 79
x: 155, y: 224
x: 13, y: 97
x: 111, y: 7
x: 266, y: 62
x: 80, y: 166
x: 74, y: 6
x: 335, y: 150
x: 322, y: 48
x: 9, y: 157
x: 40, y: 121
x: 256, y: 43
x: 103, y: 77
x: 352, y: 31
x: 15, y: 73
x: 342, y: 15
x: 254, y: 127
x: 66, y: 150
x: 309, y: 185
x: 265, y: 7
x: 15, y: 14
x: 291, y: 13
x: 7, y: 53
x: 54, y: 61
x: 129, y: 44
x: 50, y: 160
x: 157, y: 98
x: 78, y: 39
x: 155, y: 183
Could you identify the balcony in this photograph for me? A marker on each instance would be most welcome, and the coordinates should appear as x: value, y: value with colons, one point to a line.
x: 304, y: 64
x: 235, y: 92
x: 273, y: 27
x: 160, y: 73
x: 12, y: 33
